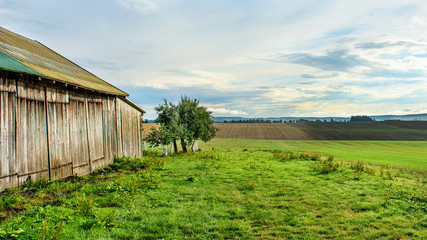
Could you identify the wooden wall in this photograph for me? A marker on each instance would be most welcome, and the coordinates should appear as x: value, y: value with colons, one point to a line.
x: 109, y: 130
x: 95, y: 131
x: 8, y: 169
x: 31, y: 131
x: 130, y: 130
x: 48, y: 131
x: 79, y: 134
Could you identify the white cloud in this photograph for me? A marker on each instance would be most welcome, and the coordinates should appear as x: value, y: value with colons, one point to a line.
x: 224, y: 111
x: 142, y: 6
x: 184, y: 78
x: 418, y: 21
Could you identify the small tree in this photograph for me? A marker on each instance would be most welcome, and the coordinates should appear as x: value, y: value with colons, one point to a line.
x: 160, y: 137
x: 196, y: 122
x: 186, y: 121
x: 168, y: 116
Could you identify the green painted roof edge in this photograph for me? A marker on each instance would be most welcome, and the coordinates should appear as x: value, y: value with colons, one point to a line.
x: 10, y: 64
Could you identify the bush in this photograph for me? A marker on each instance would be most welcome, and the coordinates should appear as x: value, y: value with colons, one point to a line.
x: 325, y: 166
x: 131, y: 164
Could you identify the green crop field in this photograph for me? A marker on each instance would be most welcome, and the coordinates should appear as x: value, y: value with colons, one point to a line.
x: 404, y: 154
x: 233, y: 189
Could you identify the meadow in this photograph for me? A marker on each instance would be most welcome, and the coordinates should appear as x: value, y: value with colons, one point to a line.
x: 402, y: 154
x: 231, y: 189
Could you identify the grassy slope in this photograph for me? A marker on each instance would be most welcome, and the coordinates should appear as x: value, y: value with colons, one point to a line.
x: 405, y: 154
x: 230, y: 194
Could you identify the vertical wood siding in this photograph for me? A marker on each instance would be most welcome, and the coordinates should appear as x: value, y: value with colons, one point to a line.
x: 95, y: 131
x: 130, y: 130
x: 54, y: 132
x: 31, y: 141
x: 119, y: 128
x: 8, y: 171
x: 110, y: 131
x: 78, y: 134
x: 59, y: 133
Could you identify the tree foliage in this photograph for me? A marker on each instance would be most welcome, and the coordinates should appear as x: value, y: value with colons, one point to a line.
x: 168, y: 116
x: 186, y: 122
x: 159, y: 137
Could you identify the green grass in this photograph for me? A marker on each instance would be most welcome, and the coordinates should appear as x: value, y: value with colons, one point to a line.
x: 253, y: 193
x: 403, y: 154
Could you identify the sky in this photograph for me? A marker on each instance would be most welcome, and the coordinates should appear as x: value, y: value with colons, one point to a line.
x: 248, y: 58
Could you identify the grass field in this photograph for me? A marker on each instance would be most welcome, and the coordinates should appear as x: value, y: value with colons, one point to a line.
x: 231, y: 192
x: 404, y: 154
x: 390, y: 130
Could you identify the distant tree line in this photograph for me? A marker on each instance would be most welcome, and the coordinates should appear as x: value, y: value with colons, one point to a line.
x: 260, y: 120
x: 357, y: 118
x: 254, y: 121
x: 362, y: 118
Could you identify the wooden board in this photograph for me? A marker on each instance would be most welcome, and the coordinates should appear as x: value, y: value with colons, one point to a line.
x: 31, y: 139
x: 110, y: 131
x: 130, y: 130
x: 95, y: 130
x: 79, y: 135
x: 8, y: 171
x: 118, y: 105
x: 59, y: 135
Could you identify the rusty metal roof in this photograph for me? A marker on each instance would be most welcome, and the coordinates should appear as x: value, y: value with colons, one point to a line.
x: 23, y: 55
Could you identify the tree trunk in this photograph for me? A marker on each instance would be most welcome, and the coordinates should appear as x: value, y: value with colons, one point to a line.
x: 184, y: 145
x: 165, y: 151
x: 175, y: 146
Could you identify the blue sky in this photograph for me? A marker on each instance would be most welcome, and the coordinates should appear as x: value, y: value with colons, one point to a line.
x: 249, y: 58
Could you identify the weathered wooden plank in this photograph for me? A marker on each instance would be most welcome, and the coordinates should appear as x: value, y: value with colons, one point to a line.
x: 8, y: 174
x: 95, y: 130
x: 58, y: 124
x: 139, y: 133
x: 94, y: 98
x: 110, y: 132
x: 119, y: 152
x: 78, y: 134
x: 130, y: 130
x: 31, y: 138
x: 36, y: 92
x: 57, y: 95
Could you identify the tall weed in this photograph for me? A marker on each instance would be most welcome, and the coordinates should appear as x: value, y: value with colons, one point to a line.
x: 325, y: 166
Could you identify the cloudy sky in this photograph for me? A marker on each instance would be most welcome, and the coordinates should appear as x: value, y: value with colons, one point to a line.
x: 249, y: 58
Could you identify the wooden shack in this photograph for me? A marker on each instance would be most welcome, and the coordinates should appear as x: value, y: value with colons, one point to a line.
x: 58, y: 119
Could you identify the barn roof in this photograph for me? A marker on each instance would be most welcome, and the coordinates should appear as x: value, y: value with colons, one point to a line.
x: 23, y: 55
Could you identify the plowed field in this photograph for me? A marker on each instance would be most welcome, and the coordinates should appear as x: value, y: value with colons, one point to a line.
x: 265, y: 131
x: 403, y: 131
x: 146, y: 128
